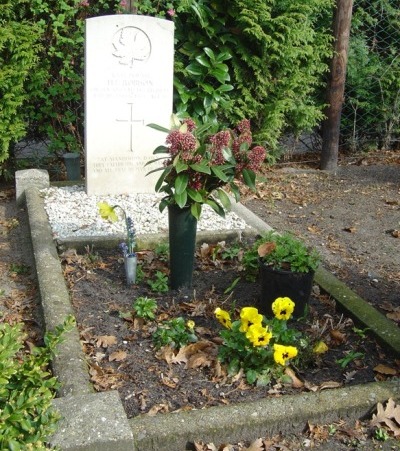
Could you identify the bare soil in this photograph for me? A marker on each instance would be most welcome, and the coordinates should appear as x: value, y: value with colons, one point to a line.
x: 122, y: 355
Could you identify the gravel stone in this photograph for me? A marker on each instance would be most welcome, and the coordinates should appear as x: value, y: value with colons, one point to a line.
x: 72, y: 213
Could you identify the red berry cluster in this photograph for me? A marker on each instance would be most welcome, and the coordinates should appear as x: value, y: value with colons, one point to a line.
x: 218, y: 142
x: 180, y: 142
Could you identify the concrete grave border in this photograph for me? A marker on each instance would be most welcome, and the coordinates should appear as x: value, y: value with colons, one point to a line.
x: 97, y: 421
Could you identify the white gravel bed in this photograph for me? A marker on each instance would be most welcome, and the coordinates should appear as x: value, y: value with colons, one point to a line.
x: 72, y: 213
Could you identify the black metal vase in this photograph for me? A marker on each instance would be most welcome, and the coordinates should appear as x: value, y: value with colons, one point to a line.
x: 182, y: 243
x: 279, y: 283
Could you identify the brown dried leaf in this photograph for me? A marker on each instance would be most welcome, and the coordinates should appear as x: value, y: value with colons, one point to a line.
x: 350, y: 229
x: 337, y: 336
x: 383, y: 369
x: 195, y: 351
x: 158, y: 408
x: 104, y: 379
x: 169, y: 382
x: 118, y: 356
x: 166, y: 353
x: 138, y: 323
x: 395, y: 316
x: 257, y: 445
x: 266, y: 248
x: 198, y: 360
x: 314, y: 229
x: 387, y: 415
x: 106, y: 340
x: 296, y: 382
x: 329, y: 384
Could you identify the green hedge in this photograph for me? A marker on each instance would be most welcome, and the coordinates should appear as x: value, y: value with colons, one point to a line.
x: 27, y: 389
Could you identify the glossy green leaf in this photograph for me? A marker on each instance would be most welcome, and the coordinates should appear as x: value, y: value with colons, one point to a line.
x: 225, y: 88
x: 216, y: 207
x: 201, y: 168
x: 160, y: 181
x: 235, y: 190
x: 181, y: 183
x: 195, y: 69
x: 158, y: 127
x: 224, y: 198
x: 249, y: 178
x: 160, y: 149
x: 228, y: 155
x: 196, y: 210
x: 209, y: 53
x: 219, y: 173
x: 203, y: 61
x: 194, y: 195
x: 181, y: 199
x: 180, y: 166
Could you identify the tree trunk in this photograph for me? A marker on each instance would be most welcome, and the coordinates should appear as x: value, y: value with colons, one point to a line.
x: 129, y: 8
x: 335, y: 91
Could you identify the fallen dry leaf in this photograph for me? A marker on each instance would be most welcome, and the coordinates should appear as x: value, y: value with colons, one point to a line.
x: 296, y: 382
x: 383, y: 369
x: 314, y: 229
x: 395, y: 316
x: 387, y: 415
x: 266, y: 249
x: 169, y: 382
x: 105, y: 341
x: 329, y: 384
x: 158, y: 408
x: 166, y: 353
x: 118, y: 356
x: 197, y: 354
x: 257, y: 445
x: 337, y: 336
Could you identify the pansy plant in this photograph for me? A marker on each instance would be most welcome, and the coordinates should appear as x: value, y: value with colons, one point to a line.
x: 261, y: 347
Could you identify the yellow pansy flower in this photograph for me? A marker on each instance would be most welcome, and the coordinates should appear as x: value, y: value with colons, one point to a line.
x: 190, y: 324
x: 107, y: 211
x: 283, y: 308
x: 223, y: 317
x: 248, y: 317
x: 258, y: 335
x: 283, y: 353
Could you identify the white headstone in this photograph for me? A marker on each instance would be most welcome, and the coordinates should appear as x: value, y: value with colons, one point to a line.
x: 128, y: 84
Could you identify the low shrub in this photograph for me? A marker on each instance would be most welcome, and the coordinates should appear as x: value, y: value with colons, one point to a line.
x: 27, y: 388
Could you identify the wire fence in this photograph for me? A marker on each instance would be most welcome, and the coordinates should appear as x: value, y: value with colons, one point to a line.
x: 371, y: 110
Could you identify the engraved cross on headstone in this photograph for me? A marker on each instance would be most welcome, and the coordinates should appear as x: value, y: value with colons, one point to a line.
x: 131, y: 122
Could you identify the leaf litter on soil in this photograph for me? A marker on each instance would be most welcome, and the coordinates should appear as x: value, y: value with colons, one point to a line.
x: 121, y: 354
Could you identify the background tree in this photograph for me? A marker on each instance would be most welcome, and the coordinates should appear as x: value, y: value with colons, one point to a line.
x: 335, y: 91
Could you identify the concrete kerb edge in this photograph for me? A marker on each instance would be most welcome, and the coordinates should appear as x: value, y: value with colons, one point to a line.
x: 77, y: 400
x: 219, y: 423
x: 267, y: 417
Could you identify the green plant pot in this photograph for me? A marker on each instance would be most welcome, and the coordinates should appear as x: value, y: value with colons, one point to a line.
x: 278, y: 283
x: 182, y: 243
x: 72, y: 165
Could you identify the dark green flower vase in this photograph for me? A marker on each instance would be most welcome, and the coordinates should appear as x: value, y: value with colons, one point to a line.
x: 182, y: 244
x: 277, y: 283
x: 72, y: 165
